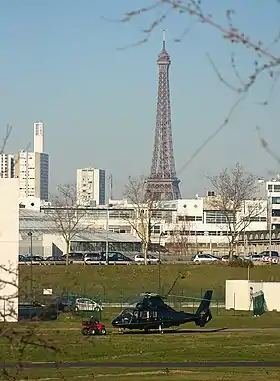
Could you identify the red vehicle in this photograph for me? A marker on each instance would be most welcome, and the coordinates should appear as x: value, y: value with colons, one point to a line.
x: 93, y: 327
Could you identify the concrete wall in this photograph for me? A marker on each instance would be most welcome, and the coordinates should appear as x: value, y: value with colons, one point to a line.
x: 9, y: 246
x: 53, y: 245
x: 238, y: 294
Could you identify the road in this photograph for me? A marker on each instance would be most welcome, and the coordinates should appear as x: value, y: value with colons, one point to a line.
x: 158, y: 365
x: 169, y: 331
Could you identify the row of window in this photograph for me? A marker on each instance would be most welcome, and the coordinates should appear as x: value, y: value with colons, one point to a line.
x: 274, y: 188
x: 216, y: 218
x: 198, y: 233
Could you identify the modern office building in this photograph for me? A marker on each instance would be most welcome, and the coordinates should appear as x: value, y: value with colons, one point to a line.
x: 32, y: 169
x: 7, y: 166
x: 91, y: 186
x: 273, y: 195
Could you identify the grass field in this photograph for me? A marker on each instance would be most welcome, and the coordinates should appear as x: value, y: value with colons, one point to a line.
x: 124, y: 283
x: 70, y: 345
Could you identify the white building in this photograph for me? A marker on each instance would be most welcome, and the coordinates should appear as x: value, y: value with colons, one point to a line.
x: 91, y: 186
x: 207, y: 228
x: 32, y: 169
x: 7, y: 166
x: 273, y: 194
x: 9, y: 249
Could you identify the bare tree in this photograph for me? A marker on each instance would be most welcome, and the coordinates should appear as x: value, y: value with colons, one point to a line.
x: 180, y: 239
x: 67, y: 214
x: 141, y: 220
x: 235, y: 201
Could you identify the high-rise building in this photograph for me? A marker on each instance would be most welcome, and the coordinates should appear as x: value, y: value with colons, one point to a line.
x: 32, y: 168
x: 7, y: 166
x: 38, y: 137
x: 163, y: 184
x: 91, y: 186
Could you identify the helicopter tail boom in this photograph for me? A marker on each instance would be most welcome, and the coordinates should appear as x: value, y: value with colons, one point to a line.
x: 203, y: 314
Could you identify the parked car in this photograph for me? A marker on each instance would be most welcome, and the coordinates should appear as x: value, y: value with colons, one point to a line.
x: 254, y: 257
x: 226, y: 258
x: 36, y: 311
x: 57, y: 261
x: 74, y: 257
x: 204, y: 258
x: 93, y: 258
x: 66, y: 302
x: 114, y: 258
x: 270, y: 256
x: 28, y: 259
x: 87, y: 304
x: 139, y: 258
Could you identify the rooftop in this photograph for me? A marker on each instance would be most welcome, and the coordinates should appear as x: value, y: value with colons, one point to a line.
x: 39, y: 223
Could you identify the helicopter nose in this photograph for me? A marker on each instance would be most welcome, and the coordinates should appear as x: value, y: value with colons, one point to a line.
x: 115, y: 322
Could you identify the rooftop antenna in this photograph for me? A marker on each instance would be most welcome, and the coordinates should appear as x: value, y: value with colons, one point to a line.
x: 163, y: 39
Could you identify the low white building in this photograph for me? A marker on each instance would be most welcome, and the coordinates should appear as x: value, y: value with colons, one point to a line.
x: 193, y: 224
x: 9, y: 246
x: 39, y: 235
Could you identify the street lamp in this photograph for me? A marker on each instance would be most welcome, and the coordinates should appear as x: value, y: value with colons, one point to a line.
x: 180, y: 276
x: 107, y: 234
x: 159, y: 263
x: 31, y: 265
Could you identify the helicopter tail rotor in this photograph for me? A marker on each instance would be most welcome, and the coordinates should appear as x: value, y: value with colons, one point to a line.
x: 203, y: 314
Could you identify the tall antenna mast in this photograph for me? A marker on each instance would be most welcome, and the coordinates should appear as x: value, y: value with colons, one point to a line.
x: 163, y: 39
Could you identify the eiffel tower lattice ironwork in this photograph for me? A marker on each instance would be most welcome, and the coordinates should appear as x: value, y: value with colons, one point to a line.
x: 163, y: 184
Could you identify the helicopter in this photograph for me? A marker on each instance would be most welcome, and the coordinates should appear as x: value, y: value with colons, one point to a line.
x: 153, y: 313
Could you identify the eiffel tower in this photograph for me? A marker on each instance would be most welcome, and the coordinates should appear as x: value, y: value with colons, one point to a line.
x: 163, y: 184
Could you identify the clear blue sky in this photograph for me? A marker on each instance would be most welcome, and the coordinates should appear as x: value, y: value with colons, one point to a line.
x: 60, y: 63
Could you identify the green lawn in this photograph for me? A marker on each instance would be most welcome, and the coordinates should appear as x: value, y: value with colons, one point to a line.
x: 122, y: 374
x: 62, y: 340
x: 72, y: 346
x: 124, y: 283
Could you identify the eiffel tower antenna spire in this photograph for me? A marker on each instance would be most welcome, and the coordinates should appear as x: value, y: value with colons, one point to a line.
x: 163, y: 39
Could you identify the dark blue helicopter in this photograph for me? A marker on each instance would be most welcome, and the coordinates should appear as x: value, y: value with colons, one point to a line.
x: 153, y: 313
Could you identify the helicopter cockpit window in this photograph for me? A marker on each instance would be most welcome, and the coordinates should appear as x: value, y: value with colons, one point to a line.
x: 127, y: 315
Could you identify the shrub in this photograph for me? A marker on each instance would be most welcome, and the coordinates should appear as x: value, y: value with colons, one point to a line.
x: 240, y: 263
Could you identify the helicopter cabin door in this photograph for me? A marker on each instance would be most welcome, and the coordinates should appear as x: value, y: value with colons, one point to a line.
x: 144, y: 315
x: 148, y: 315
x: 154, y: 315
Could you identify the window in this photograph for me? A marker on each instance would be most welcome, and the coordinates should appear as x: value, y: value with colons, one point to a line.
x: 275, y: 212
x: 216, y: 217
x: 275, y: 200
x: 189, y: 218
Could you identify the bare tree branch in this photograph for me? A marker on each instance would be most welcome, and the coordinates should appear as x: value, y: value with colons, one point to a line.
x: 144, y: 209
x: 67, y: 214
x: 180, y: 238
x: 235, y: 200
x: 5, y: 139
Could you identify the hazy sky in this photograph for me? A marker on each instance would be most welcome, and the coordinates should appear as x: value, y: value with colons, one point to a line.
x: 60, y: 63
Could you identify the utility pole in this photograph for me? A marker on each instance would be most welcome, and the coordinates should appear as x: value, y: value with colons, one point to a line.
x: 107, y: 235
x: 31, y: 265
x: 270, y: 224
